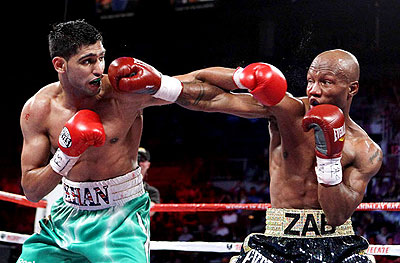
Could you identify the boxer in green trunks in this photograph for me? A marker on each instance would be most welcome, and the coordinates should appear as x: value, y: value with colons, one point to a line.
x: 79, y: 232
x: 91, y: 124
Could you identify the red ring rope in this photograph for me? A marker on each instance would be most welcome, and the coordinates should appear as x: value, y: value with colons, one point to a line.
x: 20, y: 199
x: 204, y: 207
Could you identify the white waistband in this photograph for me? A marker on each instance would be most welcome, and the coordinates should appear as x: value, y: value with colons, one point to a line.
x: 302, y: 223
x: 103, y: 194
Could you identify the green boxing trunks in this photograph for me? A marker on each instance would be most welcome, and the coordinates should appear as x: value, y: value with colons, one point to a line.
x: 104, y: 221
x: 302, y: 235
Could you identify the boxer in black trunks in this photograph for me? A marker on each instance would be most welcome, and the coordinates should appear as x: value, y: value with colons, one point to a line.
x: 320, y: 160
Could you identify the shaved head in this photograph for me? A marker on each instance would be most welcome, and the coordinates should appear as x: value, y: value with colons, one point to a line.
x: 340, y: 62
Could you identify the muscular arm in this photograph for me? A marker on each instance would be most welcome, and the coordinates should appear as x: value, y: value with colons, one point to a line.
x: 208, y: 90
x: 340, y: 201
x: 38, y: 178
x: 216, y: 76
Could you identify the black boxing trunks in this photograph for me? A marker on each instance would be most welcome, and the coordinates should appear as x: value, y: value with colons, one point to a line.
x: 296, y: 235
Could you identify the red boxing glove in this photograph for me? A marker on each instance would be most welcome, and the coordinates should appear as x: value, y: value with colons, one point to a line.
x: 84, y: 129
x: 128, y: 74
x: 266, y: 82
x: 328, y: 123
x: 329, y: 132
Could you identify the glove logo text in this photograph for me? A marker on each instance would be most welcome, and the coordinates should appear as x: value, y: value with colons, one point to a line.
x: 65, y: 138
x: 339, y: 133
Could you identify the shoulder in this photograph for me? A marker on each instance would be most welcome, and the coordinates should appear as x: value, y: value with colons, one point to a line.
x: 368, y: 154
x: 290, y: 107
x: 41, y: 102
x: 37, y: 108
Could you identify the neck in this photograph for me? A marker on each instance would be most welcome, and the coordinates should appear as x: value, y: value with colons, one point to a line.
x: 76, y: 100
x: 346, y: 113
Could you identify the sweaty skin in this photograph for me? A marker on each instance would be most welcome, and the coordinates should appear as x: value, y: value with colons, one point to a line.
x: 44, y: 115
x: 52, y: 106
x: 332, y: 79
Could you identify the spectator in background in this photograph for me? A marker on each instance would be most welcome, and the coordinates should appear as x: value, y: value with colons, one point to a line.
x: 253, y: 196
x: 361, y: 231
x: 230, y: 217
x: 396, y: 238
x: 185, y: 235
x: 220, y: 231
x: 144, y: 163
x: 382, y: 236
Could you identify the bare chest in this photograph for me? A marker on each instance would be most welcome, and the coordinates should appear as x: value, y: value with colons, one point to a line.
x: 294, y: 150
x: 117, y: 126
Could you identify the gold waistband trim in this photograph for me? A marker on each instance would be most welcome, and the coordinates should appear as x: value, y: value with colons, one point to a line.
x: 302, y: 223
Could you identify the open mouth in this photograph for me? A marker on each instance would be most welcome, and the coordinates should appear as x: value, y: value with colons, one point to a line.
x: 314, y: 102
x: 96, y: 82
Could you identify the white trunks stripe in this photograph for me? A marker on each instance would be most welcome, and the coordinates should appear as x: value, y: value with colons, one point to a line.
x: 103, y: 194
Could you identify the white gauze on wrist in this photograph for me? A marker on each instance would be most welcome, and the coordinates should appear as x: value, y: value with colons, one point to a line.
x: 329, y: 171
x: 170, y: 89
x: 236, y: 78
x: 62, y: 163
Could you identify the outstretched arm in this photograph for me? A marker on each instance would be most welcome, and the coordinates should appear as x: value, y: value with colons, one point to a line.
x: 203, y: 90
x: 208, y: 90
x: 209, y: 98
x: 216, y: 76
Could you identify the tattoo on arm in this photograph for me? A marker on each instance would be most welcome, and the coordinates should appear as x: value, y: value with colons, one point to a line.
x: 192, y: 95
x: 374, y: 156
x: 199, y: 96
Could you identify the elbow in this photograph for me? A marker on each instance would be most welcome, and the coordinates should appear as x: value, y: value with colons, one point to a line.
x: 31, y: 196
x: 34, y: 199
x: 30, y: 193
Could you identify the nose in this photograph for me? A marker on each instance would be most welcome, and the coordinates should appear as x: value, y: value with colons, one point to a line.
x: 98, y: 68
x: 314, y: 89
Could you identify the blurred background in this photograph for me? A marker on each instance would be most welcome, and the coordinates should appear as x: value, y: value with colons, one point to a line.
x: 211, y: 157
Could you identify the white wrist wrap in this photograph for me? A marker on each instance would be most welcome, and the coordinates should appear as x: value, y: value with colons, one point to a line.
x: 170, y: 89
x: 236, y: 78
x: 329, y: 171
x: 62, y: 163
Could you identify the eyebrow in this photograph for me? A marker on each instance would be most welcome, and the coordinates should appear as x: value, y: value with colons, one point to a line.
x: 91, y: 55
x: 327, y: 71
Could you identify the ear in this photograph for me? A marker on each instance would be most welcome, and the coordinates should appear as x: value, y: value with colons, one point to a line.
x: 353, y: 88
x: 60, y: 64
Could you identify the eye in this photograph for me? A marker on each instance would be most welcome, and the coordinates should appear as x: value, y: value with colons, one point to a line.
x: 87, y: 61
x: 326, y: 82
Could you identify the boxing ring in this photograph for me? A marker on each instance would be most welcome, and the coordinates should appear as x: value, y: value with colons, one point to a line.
x: 199, y: 246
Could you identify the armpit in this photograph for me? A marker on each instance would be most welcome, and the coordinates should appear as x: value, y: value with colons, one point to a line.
x: 273, y: 125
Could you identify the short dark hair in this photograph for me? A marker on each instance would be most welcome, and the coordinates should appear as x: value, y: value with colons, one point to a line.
x: 67, y: 37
